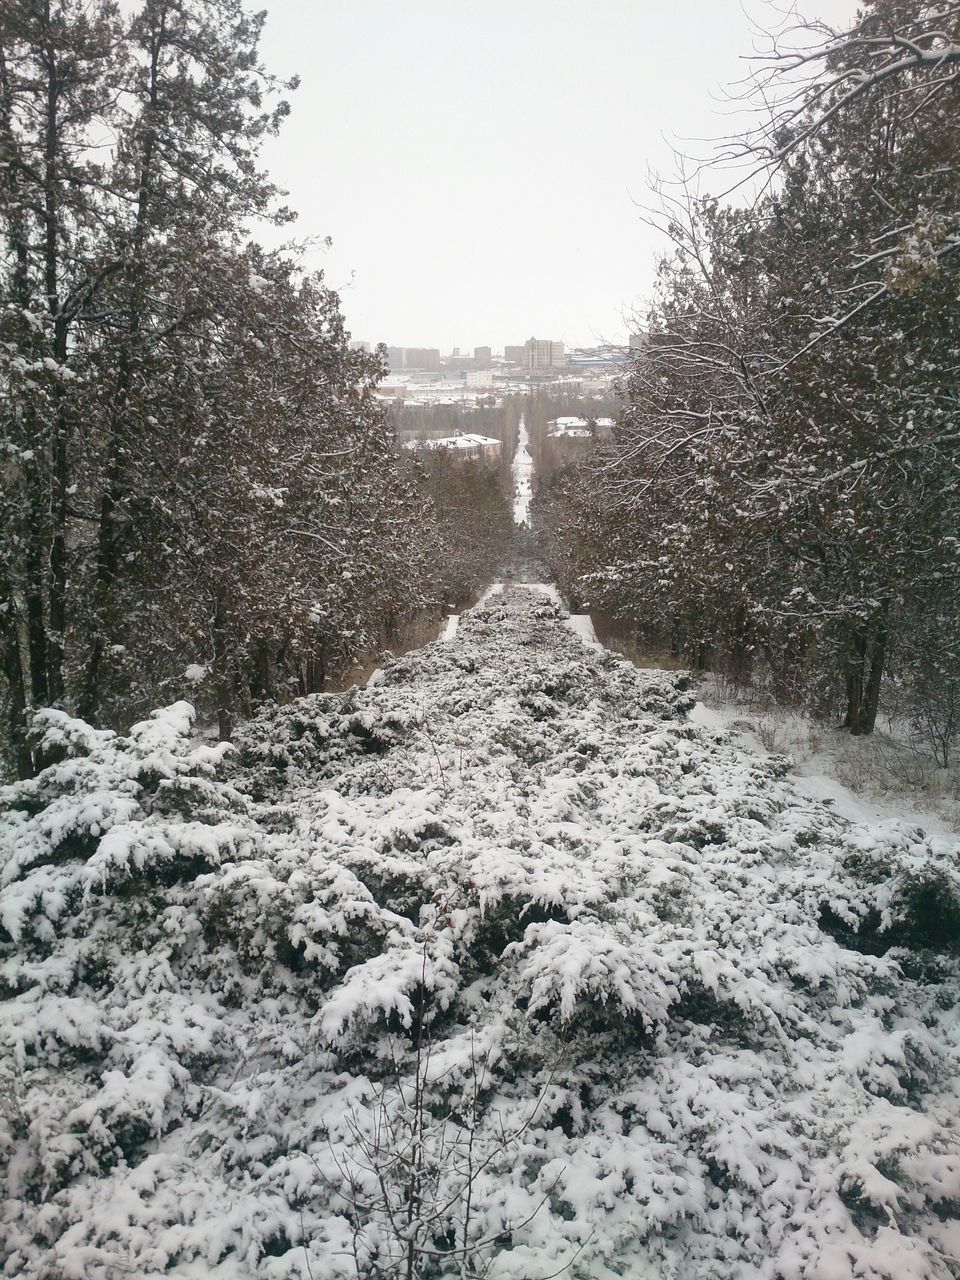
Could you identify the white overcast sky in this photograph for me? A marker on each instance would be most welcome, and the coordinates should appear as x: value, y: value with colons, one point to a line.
x: 478, y: 163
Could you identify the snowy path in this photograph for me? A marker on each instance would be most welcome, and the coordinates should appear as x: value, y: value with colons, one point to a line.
x: 522, y: 476
x: 664, y: 1020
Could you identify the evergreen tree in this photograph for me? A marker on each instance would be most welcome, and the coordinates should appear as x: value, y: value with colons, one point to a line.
x: 197, y: 475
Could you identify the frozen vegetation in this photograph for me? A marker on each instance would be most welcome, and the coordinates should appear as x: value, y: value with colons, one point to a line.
x: 497, y: 966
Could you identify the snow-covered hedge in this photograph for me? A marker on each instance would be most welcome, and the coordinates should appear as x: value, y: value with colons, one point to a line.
x: 503, y: 927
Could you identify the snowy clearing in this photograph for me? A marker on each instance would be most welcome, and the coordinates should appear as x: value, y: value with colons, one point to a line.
x: 608, y: 990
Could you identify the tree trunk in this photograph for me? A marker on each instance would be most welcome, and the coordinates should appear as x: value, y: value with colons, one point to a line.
x: 16, y: 692
x: 34, y: 590
x: 855, y: 684
x: 224, y: 724
x: 740, y: 658
x: 111, y: 498
x: 107, y: 554
x: 262, y: 683
x: 57, y: 599
x: 318, y: 670
x: 31, y: 438
x: 871, y: 697
x: 51, y: 279
x: 223, y: 681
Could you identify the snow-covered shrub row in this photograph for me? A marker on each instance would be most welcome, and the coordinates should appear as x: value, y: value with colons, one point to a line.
x: 620, y: 996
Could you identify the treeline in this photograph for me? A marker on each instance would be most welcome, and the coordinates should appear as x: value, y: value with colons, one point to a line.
x: 486, y: 417
x: 544, y: 407
x: 782, y: 492
x: 474, y: 524
x: 200, y: 491
x: 500, y: 421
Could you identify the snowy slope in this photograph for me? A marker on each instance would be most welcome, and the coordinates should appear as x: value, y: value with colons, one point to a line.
x: 502, y: 927
x: 522, y: 471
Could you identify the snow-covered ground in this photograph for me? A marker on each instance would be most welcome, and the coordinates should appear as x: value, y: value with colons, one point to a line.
x: 522, y: 476
x: 867, y: 779
x: 499, y: 962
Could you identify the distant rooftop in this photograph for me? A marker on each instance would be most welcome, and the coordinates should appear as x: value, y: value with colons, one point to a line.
x: 579, y: 428
x: 465, y: 441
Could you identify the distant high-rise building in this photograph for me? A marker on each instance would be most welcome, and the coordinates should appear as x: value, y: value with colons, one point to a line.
x: 395, y: 358
x: 515, y: 355
x: 424, y: 358
x: 542, y: 353
x: 483, y: 357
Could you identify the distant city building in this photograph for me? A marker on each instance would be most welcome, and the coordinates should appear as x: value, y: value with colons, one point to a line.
x: 455, y: 366
x: 479, y: 377
x: 463, y: 445
x: 543, y: 353
x: 579, y: 428
x: 638, y: 341
x: 427, y: 358
x: 515, y: 355
x: 604, y: 357
x: 483, y: 356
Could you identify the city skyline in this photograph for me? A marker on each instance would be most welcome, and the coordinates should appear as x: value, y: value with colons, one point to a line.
x: 494, y: 349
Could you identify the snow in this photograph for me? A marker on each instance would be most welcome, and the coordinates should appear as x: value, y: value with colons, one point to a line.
x: 522, y: 477
x: 581, y: 624
x: 494, y: 589
x: 544, y: 588
x: 681, y: 1018
x: 815, y: 766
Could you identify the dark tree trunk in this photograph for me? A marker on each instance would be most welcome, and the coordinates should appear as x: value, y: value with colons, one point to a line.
x: 261, y: 682
x: 855, y: 683
x: 677, y: 642
x: 864, y: 675
x: 223, y: 677
x: 57, y: 611
x: 34, y: 555
x: 34, y: 591
x: 318, y: 670
x: 16, y: 693
x: 111, y: 498
x: 224, y: 724
x: 56, y: 617
x: 740, y: 658
x: 871, y: 697
x: 108, y: 553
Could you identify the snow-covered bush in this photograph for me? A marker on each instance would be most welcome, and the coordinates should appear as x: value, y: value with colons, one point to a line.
x: 657, y: 1014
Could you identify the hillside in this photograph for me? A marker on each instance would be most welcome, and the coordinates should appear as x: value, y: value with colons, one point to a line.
x: 497, y: 966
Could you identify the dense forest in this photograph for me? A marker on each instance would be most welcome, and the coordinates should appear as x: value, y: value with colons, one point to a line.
x: 780, y: 500
x: 200, y: 490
